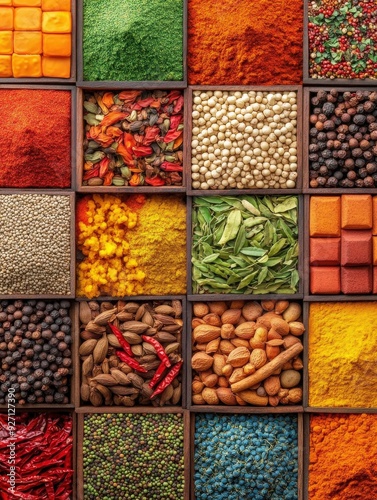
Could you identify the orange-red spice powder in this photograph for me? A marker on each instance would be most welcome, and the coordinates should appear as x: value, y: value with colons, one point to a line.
x: 35, y: 149
x: 257, y: 42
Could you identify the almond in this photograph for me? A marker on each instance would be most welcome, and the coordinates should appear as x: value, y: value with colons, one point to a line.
x: 281, y: 306
x: 100, y: 350
x: 272, y: 385
x: 296, y: 328
x: 210, y: 396
x: 258, y: 358
x: 87, y: 347
x: 217, y: 307
x: 226, y: 347
x: 165, y: 309
x: 104, y: 317
x: 113, y: 341
x: 240, y: 343
x: 213, y: 346
x: 223, y: 382
x: 106, y: 380
x: 212, y: 319
x: 290, y: 340
x: 211, y: 380
x: 201, y: 361
x: 227, y: 370
x: 239, y: 357
x: 280, y: 326
x: 196, y: 322
x: 240, y: 401
x: 273, y: 400
x: 295, y: 395
x: 297, y: 364
x: 293, y: 312
x: 197, y: 386
x: 85, y: 315
x: 206, y: 333
x: 268, y: 305
x: 219, y: 361
x: 248, y: 369
x: 226, y: 396
x: 272, y: 352
x: 197, y: 399
x: 245, y: 330
x: 132, y: 338
x: 237, y: 375
x: 227, y: 331
x: 135, y: 326
x: 252, y: 310
x: 200, y: 309
x: 231, y: 316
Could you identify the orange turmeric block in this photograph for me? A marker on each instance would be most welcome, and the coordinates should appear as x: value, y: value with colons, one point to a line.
x: 26, y: 66
x: 56, y: 67
x: 56, y: 22
x: 57, y: 45
x: 375, y: 250
x: 5, y: 66
x: 27, y: 3
x: 27, y: 19
x: 6, y: 18
x: 56, y: 5
x: 325, y: 280
x: 6, y: 2
x: 6, y: 42
x: 28, y: 42
x: 357, y: 211
x: 374, y: 210
x: 325, y: 216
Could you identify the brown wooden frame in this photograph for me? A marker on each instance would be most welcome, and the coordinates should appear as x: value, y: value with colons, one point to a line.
x: 108, y: 84
x: 308, y: 91
x: 82, y: 407
x: 164, y: 410
x: 52, y: 192
x: 307, y: 80
x: 188, y: 137
x: 301, y: 455
x: 226, y: 296
x: 118, y: 189
x: 53, y: 80
x: 247, y: 409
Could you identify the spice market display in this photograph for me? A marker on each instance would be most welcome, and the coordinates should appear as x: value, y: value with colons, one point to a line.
x: 188, y: 248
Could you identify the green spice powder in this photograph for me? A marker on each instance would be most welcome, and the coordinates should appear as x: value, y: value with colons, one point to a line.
x: 133, y: 40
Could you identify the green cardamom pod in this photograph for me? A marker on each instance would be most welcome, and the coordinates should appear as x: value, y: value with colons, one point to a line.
x: 126, y: 172
x: 95, y: 157
x: 118, y: 180
x: 91, y: 107
x: 91, y: 119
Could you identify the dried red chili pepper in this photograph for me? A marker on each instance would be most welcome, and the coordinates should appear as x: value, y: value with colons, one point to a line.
x: 167, y: 166
x: 143, y: 103
x: 107, y: 180
x: 159, y: 349
x: 157, y: 375
x: 130, y: 361
x: 173, y: 95
x: 103, y: 167
x: 94, y: 172
x: 140, y: 151
x: 168, y: 379
x: 150, y: 136
x: 113, y: 117
x: 172, y: 135
x: 179, y: 105
x: 175, y: 120
x: 129, y: 96
x: 122, y: 341
x: 155, y: 181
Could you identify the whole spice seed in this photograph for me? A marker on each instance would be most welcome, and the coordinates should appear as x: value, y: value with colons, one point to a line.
x: 246, y: 456
x: 40, y: 450
x: 341, y: 381
x: 148, y: 450
x: 343, y: 139
x: 254, y: 254
x: 132, y: 370
x: 342, y: 39
x: 244, y: 139
x: 128, y: 242
x: 39, y: 123
x: 129, y: 136
x: 35, y: 244
x: 334, y: 439
x: 136, y: 40
x: 259, y: 54
x: 35, y: 351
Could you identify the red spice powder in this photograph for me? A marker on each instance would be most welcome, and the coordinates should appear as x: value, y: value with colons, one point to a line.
x: 257, y: 42
x: 135, y: 201
x: 36, y: 146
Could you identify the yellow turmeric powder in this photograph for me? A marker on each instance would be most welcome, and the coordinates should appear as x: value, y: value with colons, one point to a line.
x: 159, y: 245
x: 343, y: 354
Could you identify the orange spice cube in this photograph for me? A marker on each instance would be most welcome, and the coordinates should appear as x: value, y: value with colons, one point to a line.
x: 6, y: 18
x: 375, y: 250
x: 5, y: 66
x: 56, y: 67
x: 26, y: 66
x: 357, y: 211
x: 56, y: 5
x: 6, y: 2
x: 57, y: 45
x: 374, y: 210
x: 27, y: 3
x: 325, y: 280
x: 325, y: 216
x: 28, y: 42
x: 27, y: 19
x: 6, y: 42
x: 56, y: 22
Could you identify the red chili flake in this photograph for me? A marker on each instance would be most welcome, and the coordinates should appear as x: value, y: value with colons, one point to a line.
x: 141, y: 151
x: 172, y: 135
x: 179, y: 105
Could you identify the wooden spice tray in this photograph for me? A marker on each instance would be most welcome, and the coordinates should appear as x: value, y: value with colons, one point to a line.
x: 166, y: 410
x: 109, y: 84
x: 80, y: 125
x: 248, y: 409
x: 307, y: 80
x: 84, y: 407
x: 53, y: 192
x: 302, y: 452
x: 70, y: 88
x: 72, y: 385
x: 188, y: 138
x: 55, y: 80
x: 307, y: 94
x: 226, y: 296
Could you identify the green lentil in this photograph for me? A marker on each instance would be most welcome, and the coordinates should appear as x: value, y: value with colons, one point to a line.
x: 133, y: 456
x: 133, y: 40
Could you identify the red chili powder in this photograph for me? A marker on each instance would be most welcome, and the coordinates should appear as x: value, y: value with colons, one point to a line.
x: 36, y: 146
x: 135, y: 201
x: 245, y: 42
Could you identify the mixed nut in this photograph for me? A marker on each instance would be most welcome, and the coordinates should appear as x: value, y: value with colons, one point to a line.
x: 130, y: 353
x: 246, y: 352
